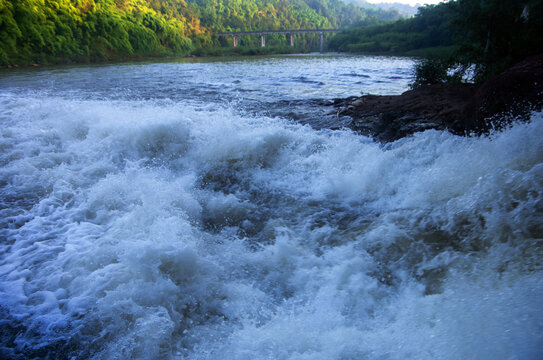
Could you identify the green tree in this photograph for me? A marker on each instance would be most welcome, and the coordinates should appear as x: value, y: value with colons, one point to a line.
x: 494, y: 34
x: 48, y: 31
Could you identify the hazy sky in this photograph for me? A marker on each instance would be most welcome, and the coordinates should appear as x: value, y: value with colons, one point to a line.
x: 410, y: 2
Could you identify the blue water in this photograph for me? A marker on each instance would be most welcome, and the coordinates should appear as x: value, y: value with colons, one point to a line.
x: 175, y: 210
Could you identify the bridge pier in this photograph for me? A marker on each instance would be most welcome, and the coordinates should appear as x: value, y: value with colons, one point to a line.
x: 290, y: 33
x: 322, y: 42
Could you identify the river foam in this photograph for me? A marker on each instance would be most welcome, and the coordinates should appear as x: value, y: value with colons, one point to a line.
x: 164, y: 230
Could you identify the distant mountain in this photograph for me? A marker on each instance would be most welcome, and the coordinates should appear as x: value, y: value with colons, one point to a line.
x: 403, y: 10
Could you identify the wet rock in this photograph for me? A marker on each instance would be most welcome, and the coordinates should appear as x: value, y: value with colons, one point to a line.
x: 511, y: 94
x: 459, y: 108
x: 388, y: 118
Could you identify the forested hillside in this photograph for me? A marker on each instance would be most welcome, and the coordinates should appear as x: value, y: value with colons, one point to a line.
x: 474, y: 38
x: 48, y: 31
x: 429, y: 29
x: 404, y: 10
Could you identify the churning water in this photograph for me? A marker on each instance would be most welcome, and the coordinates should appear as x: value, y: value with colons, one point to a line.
x: 149, y: 211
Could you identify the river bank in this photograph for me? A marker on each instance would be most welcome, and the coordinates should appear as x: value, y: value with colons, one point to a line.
x: 204, y: 53
x: 462, y: 109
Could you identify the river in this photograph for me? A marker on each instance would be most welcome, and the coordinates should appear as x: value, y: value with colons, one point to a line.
x: 204, y: 209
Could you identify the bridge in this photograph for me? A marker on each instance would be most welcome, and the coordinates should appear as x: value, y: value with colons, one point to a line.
x: 263, y: 34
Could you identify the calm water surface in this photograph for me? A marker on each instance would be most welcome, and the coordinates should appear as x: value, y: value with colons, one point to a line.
x: 182, y: 210
x: 291, y: 77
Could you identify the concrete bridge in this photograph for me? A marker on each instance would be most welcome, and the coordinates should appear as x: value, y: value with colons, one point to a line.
x: 263, y: 34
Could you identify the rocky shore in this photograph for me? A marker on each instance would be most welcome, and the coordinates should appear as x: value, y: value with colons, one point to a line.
x: 462, y: 109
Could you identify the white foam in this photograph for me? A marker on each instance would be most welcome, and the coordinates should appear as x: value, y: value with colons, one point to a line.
x: 145, y: 230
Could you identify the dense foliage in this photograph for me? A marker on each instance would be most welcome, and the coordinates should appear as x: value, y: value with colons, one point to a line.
x: 494, y: 34
x: 41, y: 31
x: 464, y: 39
x: 490, y: 35
x: 46, y: 30
x: 429, y: 29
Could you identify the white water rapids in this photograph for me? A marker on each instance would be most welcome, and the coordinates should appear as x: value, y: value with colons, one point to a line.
x: 165, y: 229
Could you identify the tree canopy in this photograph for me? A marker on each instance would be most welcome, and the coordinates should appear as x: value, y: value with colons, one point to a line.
x: 470, y: 38
x: 429, y: 28
x: 494, y: 34
x: 45, y: 31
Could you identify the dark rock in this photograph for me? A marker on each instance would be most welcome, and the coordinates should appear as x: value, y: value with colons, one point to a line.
x: 462, y: 109
x: 388, y: 118
x: 512, y: 94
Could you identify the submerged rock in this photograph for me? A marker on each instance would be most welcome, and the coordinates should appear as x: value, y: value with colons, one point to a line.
x: 462, y: 109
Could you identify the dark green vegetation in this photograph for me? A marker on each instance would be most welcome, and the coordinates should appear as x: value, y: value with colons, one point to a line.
x: 50, y: 31
x: 429, y: 30
x: 462, y: 40
x: 492, y: 35
x: 81, y: 30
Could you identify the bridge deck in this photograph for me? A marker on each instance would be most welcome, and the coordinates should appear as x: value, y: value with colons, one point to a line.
x: 266, y: 32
